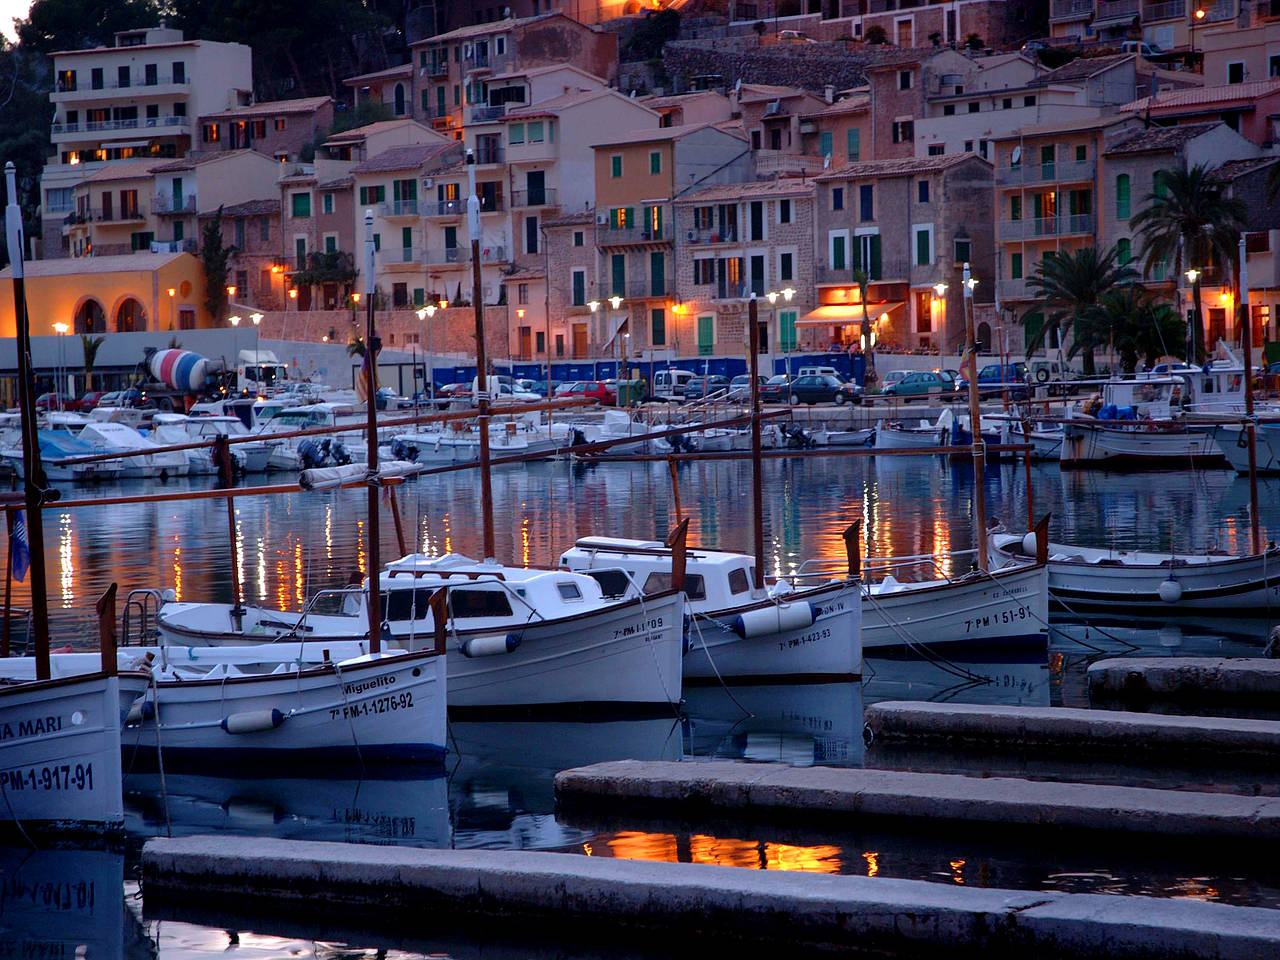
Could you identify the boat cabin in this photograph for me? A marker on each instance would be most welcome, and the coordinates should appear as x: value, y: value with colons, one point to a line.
x: 714, y: 580
x: 1150, y: 398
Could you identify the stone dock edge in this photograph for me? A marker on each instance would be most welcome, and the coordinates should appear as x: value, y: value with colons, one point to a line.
x: 856, y: 797
x: 686, y: 904
x: 1243, y: 680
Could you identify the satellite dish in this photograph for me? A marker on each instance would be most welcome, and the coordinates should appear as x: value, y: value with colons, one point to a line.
x: 737, y: 85
x: 1016, y: 157
x: 826, y: 162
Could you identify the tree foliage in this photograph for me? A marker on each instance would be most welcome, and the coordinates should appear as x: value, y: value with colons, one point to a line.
x: 323, y: 267
x: 215, y: 255
x: 1133, y: 324
x: 25, y: 114
x: 90, y: 346
x: 362, y: 114
x: 1071, y: 284
x: 76, y: 24
x: 651, y: 35
x: 1190, y: 221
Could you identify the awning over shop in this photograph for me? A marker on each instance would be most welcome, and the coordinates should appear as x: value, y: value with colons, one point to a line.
x: 834, y: 315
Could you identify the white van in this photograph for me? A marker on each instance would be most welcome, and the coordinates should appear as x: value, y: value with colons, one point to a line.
x: 670, y: 383
x: 818, y: 372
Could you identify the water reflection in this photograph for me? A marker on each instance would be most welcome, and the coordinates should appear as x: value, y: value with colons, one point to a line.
x: 61, y: 904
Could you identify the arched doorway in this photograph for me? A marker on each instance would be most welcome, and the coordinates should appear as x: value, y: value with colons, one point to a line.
x: 90, y: 317
x: 399, y: 100
x: 984, y: 337
x: 130, y: 316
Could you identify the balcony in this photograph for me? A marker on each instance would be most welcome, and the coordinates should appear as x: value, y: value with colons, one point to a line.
x: 397, y: 257
x: 712, y: 235
x: 459, y: 256
x: 444, y: 208
x: 545, y: 197
x: 489, y: 154
x: 890, y: 271
x: 635, y: 290
x: 399, y: 208
x: 165, y: 204
x: 1220, y: 11
x: 161, y: 86
x: 1172, y: 10
x: 1116, y: 10
x: 487, y: 114
x: 1014, y: 290
x: 127, y: 215
x: 775, y: 162
x: 1034, y: 227
x: 477, y: 61
x: 611, y: 236
x: 1063, y: 10
x: 1071, y: 171
x: 188, y: 245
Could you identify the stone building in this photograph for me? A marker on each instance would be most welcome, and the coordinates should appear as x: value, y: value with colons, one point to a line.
x: 278, y: 128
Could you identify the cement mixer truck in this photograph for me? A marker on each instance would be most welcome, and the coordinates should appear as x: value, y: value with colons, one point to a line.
x: 170, y: 379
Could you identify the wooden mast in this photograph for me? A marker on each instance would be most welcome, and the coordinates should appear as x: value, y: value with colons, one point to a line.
x: 482, y: 380
x: 757, y: 480
x: 32, y: 472
x: 374, y: 567
x: 975, y: 424
x: 1250, y: 422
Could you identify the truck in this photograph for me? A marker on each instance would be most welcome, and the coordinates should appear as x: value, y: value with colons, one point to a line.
x: 169, y: 379
x: 260, y: 372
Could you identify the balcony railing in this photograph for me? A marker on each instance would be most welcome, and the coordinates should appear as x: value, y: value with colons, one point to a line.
x: 1014, y: 289
x: 1046, y: 227
x: 444, y: 256
x: 489, y: 154
x: 1070, y: 9
x: 188, y: 245
x: 777, y: 162
x: 888, y: 270
x: 712, y: 235
x: 400, y: 208
x: 1068, y: 171
x: 164, y: 203
x: 445, y: 208
x: 545, y: 197
x: 1172, y: 10
x: 1222, y: 10
x: 485, y: 113
x: 634, y: 289
x: 399, y: 256
x: 478, y: 61
x: 1116, y: 9
x: 608, y: 234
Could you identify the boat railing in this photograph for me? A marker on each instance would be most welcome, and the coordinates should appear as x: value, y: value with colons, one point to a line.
x: 138, y: 619
x: 819, y: 568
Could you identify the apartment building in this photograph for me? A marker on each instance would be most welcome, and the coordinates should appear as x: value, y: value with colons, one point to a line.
x: 681, y: 109
x: 910, y: 225
x: 1000, y: 24
x: 360, y: 143
x: 637, y: 179
x: 1172, y: 25
x: 771, y: 115
x: 392, y: 87
x: 439, y: 18
x: 571, y: 257
x: 202, y: 183
x: 136, y: 99
x: 1250, y: 182
x: 840, y: 130
x: 1242, y: 48
x: 737, y: 239
x: 453, y: 72
x: 1251, y: 109
x: 396, y: 185
x: 112, y: 213
x: 324, y: 223
x: 252, y: 228
x: 278, y: 128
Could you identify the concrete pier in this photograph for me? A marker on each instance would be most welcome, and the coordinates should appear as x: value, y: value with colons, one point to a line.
x: 691, y: 908
x: 779, y: 792
x: 1187, y: 679
x: 1071, y: 732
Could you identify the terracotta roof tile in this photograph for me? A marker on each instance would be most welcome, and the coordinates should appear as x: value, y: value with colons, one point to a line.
x: 1218, y: 96
x: 1160, y: 138
x: 250, y: 208
x: 898, y: 168
x: 404, y: 158
x: 1082, y: 68
x: 271, y: 108
x: 402, y: 70
x: 572, y: 219
x: 783, y: 187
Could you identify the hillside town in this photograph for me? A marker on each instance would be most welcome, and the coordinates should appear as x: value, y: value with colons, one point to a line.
x: 849, y: 165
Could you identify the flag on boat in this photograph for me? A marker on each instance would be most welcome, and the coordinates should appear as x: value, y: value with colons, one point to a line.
x: 19, y: 551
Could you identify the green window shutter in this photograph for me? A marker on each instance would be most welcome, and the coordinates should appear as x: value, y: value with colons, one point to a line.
x: 406, y: 238
x: 922, y: 248
x: 419, y: 296
x: 1031, y: 325
x: 457, y: 96
x: 618, y: 274
x: 788, y: 333
x: 1037, y: 206
x: 426, y: 101
x: 1015, y: 266
x: 655, y: 162
x: 410, y: 190
x: 875, y: 272
x: 450, y: 238
x: 302, y: 204
x: 1158, y: 186
x: 824, y: 143
x: 440, y: 108
x: 658, y: 327
x: 377, y: 241
x: 1123, y: 251
x: 330, y: 244
x: 837, y: 253
x: 1015, y: 208
x: 657, y: 223
x: 1122, y: 197
x: 706, y: 335
x: 579, y: 289
x: 853, y: 145
x: 631, y: 216
x: 1082, y: 153
x: 615, y: 167
x: 657, y: 274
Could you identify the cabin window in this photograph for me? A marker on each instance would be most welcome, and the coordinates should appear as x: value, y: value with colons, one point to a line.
x: 694, y: 588
x: 738, y: 582
x: 479, y: 603
x: 406, y: 604
x: 613, y: 583
x: 569, y: 591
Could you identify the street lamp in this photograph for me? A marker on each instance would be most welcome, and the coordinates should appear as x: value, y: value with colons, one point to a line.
x: 614, y: 303
x: 425, y: 314
x: 594, y: 305
x: 172, y: 307
x: 61, y: 330
x: 786, y: 293
x: 1194, y: 328
x: 1196, y: 18
x: 257, y: 358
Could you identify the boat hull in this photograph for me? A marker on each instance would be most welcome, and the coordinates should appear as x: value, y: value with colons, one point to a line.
x: 1011, y: 606
x: 891, y: 438
x: 382, y: 708
x: 60, y: 752
x: 1232, y: 442
x: 1226, y: 585
x: 830, y: 647
x: 1094, y: 445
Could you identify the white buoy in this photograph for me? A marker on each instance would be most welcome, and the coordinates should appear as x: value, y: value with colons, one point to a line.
x: 490, y: 646
x: 1170, y: 591
x: 774, y: 619
x: 1029, y: 544
x: 252, y: 721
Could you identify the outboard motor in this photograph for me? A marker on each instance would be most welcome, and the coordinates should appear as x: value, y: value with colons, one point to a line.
x: 682, y: 443
x: 312, y: 454
x: 338, y: 453
x: 578, y: 437
x: 798, y: 438
x: 403, y: 450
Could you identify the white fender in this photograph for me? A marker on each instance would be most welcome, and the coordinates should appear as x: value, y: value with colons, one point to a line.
x: 774, y: 618
x: 490, y: 646
x: 253, y: 721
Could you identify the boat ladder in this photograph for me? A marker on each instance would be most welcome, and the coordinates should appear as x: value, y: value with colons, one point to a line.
x: 138, y: 621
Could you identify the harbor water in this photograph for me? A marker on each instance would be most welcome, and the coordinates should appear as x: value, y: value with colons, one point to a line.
x: 496, y: 791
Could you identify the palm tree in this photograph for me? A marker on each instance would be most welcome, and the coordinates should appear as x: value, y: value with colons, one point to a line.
x: 1135, y: 325
x: 90, y: 346
x: 1189, y: 220
x: 1070, y: 284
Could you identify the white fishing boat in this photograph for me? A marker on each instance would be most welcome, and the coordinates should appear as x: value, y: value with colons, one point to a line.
x: 1142, y: 581
x: 174, y: 429
x: 826, y: 437
x: 892, y: 435
x: 299, y: 453
x: 1006, y: 606
x: 1232, y: 440
x: 1130, y: 425
x: 61, y: 459
x: 1044, y: 438
x: 378, y: 707
x: 453, y: 446
x: 734, y: 629
x: 516, y: 637
x: 135, y: 450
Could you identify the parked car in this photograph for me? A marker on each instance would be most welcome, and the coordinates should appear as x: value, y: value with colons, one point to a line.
x: 455, y: 391
x: 892, y: 377
x: 775, y: 389
x: 90, y: 400
x: 740, y: 386
x: 950, y: 376
x: 1052, y: 374
x: 388, y: 399
x: 131, y: 397
x: 995, y: 378
x: 540, y: 387
x: 850, y: 392
x: 590, y: 389
x: 700, y: 388
x: 814, y: 389
x: 57, y: 401
x: 920, y: 383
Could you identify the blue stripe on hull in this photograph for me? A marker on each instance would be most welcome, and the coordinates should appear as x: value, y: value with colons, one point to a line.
x: 239, y: 759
